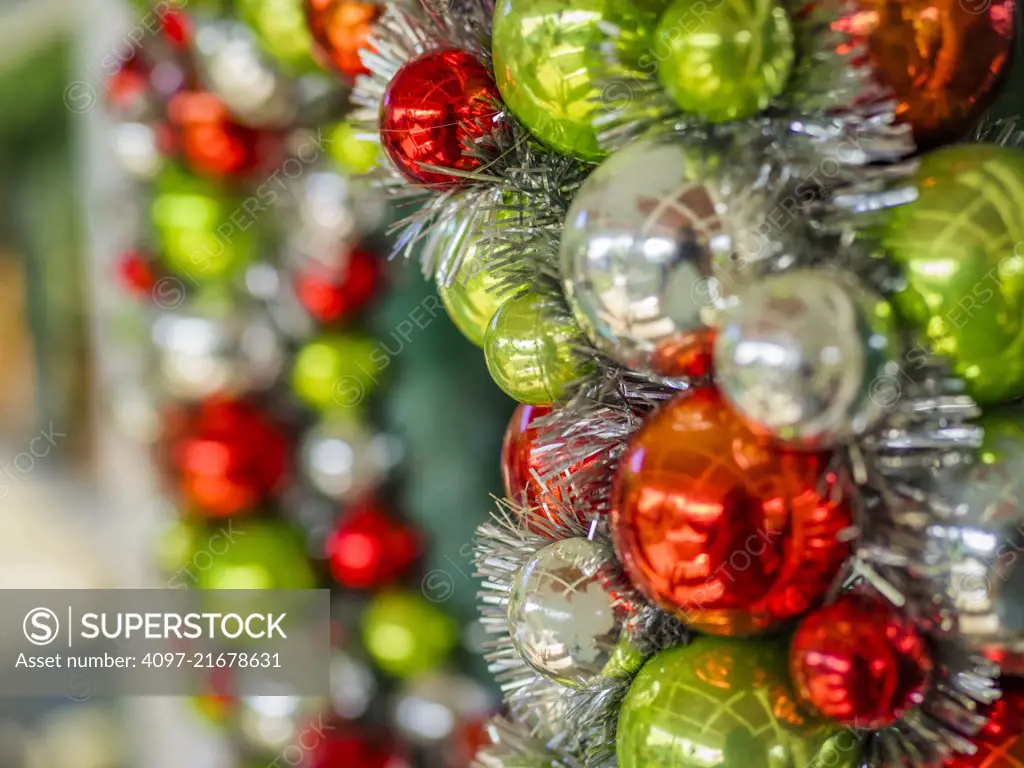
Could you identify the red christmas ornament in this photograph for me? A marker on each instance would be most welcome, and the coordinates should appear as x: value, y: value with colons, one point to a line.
x: 859, y: 662
x: 943, y: 59
x: 228, y: 455
x: 176, y: 28
x: 688, y: 355
x: 213, y: 144
x: 720, y: 526
x: 433, y: 105
x: 1001, y: 741
x: 522, y: 457
x: 331, y: 292
x: 128, y: 87
x: 347, y: 746
x: 135, y: 273
x: 340, y: 29
x: 369, y: 548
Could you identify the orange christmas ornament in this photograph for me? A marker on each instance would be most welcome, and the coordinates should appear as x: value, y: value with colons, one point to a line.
x: 943, y: 58
x: 721, y: 527
x: 340, y: 28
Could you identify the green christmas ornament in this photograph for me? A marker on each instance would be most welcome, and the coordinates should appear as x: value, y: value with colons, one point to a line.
x: 281, y: 30
x: 725, y: 703
x: 199, y: 231
x: 466, y: 287
x: 338, y: 370
x: 351, y: 153
x: 960, y: 245
x: 543, y: 61
x: 530, y: 355
x: 727, y: 60
x: 406, y: 634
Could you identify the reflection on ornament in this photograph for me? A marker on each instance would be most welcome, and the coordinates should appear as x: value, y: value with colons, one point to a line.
x: 727, y: 703
x: 228, y: 456
x: 338, y: 371
x: 565, y: 618
x: 958, y: 247
x: 210, y: 347
x: 406, y: 634
x: 531, y: 354
x: 340, y: 29
x: 342, y: 459
x: 731, y: 533
x: 434, y: 105
x: 801, y: 355
x: 369, y: 547
x: 859, y: 662
x: 942, y: 58
x: 643, y: 242
x: 542, y: 62
x: 725, y: 62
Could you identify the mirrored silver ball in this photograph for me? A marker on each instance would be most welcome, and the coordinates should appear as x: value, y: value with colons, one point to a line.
x: 343, y: 459
x: 805, y: 355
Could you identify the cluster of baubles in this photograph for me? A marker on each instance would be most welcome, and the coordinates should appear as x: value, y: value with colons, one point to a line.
x: 261, y: 262
x: 725, y: 509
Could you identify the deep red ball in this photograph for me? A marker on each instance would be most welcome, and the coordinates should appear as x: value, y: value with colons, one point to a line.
x: 859, y: 662
x: 523, y: 459
x: 1001, y: 742
x: 343, y: 745
x: 135, y: 273
x: 433, y: 105
x: 228, y: 456
x: 332, y: 292
x: 370, y: 548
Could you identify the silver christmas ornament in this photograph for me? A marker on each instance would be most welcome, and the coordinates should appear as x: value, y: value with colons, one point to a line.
x: 648, y: 250
x: 137, y: 148
x: 233, y: 67
x: 268, y: 724
x: 806, y: 355
x: 565, y: 618
x: 342, y: 459
x: 206, y: 348
x: 353, y: 686
x: 430, y: 708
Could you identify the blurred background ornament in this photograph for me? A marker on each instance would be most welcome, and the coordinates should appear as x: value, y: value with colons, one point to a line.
x: 942, y: 58
x: 280, y: 28
x: 1000, y: 742
x: 965, y: 279
x: 645, y: 245
x: 338, y: 371
x: 719, y: 526
x: 228, y: 456
x: 337, y: 290
x: 800, y: 355
x: 434, y: 105
x: 269, y: 724
x: 233, y: 68
x: 142, y: 149
x: 340, y: 28
x: 567, y: 616
x: 432, y: 709
x: 353, y: 686
x: 369, y: 547
x: 343, y: 459
x: 859, y: 662
x: 531, y: 353
x: 406, y: 634
x: 727, y: 62
x: 195, y: 234
x: 214, y: 345
x: 352, y: 153
x: 136, y: 273
x: 543, y: 54
x: 347, y: 745
x: 725, y: 702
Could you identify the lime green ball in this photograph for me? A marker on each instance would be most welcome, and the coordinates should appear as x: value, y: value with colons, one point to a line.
x: 724, y: 703
x: 352, y: 155
x: 338, y: 370
x: 281, y: 30
x: 726, y: 60
x: 406, y: 634
x: 202, y: 231
x: 543, y: 65
x: 235, y: 554
x: 960, y: 246
x: 531, y: 355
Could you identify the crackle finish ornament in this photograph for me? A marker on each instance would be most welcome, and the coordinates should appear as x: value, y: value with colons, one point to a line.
x: 727, y: 530
x: 645, y: 246
x: 959, y: 247
x: 565, y: 619
x: 801, y: 356
x: 724, y: 703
